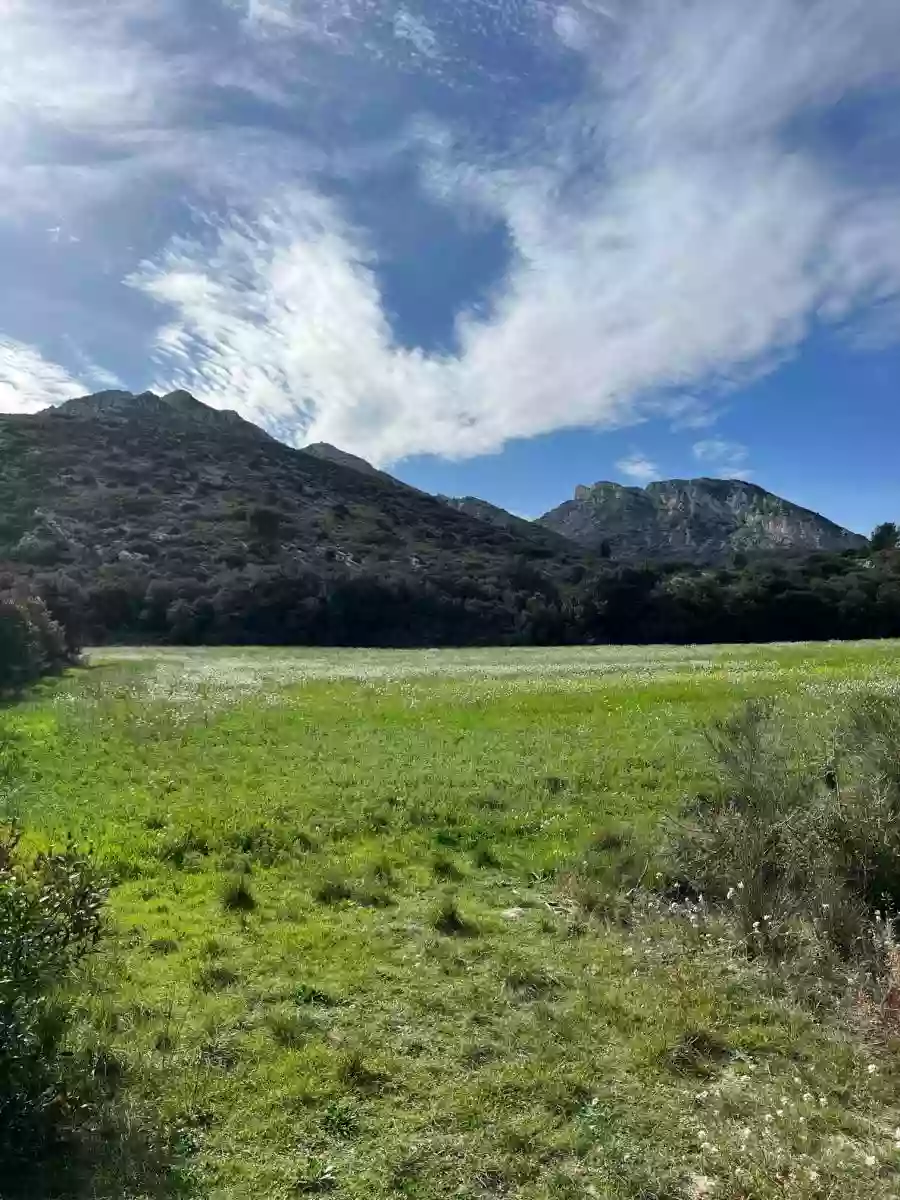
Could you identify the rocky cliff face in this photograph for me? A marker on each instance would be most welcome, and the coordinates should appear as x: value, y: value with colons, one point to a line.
x: 692, y: 520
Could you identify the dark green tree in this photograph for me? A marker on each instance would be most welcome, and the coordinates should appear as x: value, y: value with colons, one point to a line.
x: 884, y: 537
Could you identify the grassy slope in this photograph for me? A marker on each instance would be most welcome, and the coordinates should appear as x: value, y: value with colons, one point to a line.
x: 308, y: 1046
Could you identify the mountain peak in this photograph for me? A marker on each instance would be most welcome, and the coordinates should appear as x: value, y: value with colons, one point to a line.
x: 699, y: 520
x: 343, y: 458
x: 117, y: 405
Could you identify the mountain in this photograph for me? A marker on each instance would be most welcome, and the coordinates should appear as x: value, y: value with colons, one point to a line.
x: 160, y: 512
x: 692, y: 520
x: 482, y: 510
x: 329, y: 453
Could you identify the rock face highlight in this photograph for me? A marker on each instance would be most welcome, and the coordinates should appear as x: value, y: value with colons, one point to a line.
x: 692, y: 520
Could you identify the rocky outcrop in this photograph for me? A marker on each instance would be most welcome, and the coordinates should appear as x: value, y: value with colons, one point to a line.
x: 692, y: 520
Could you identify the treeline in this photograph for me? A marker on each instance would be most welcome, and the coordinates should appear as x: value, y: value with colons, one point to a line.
x: 825, y: 596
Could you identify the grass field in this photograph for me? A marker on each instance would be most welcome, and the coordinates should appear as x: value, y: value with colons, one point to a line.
x: 351, y: 949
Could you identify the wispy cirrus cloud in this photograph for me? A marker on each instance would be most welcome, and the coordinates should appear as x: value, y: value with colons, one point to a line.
x: 677, y: 210
x: 28, y: 382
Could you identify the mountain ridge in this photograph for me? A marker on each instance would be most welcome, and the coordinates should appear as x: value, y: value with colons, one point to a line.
x: 148, y: 518
x: 702, y: 520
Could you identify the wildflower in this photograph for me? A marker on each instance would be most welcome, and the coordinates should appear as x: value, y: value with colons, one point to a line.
x: 871, y: 1068
x: 870, y: 1160
x: 779, y: 1112
x: 741, y: 885
x: 826, y: 907
x: 767, y: 917
x: 755, y: 926
x: 807, y: 1097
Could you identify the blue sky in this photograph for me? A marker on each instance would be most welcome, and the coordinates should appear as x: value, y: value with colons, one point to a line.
x: 501, y: 247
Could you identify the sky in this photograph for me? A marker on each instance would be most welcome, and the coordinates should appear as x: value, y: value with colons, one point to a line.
x: 499, y: 247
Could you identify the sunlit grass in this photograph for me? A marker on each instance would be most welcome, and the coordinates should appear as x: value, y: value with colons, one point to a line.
x: 346, y: 958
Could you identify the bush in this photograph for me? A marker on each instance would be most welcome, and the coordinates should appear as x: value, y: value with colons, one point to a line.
x: 32, y: 644
x: 787, y: 841
x: 50, y: 918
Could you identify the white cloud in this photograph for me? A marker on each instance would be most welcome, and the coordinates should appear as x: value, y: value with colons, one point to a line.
x: 673, y: 230
x: 28, y: 382
x: 725, y: 459
x: 80, y: 67
x: 638, y: 469
x: 413, y: 29
x: 707, y: 250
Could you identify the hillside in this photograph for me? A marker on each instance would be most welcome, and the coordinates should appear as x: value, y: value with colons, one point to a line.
x: 692, y: 520
x: 482, y: 510
x: 171, y: 515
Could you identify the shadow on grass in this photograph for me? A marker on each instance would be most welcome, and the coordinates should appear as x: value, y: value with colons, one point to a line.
x: 103, y: 1159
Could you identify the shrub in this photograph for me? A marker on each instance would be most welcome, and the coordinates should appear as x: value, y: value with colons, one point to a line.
x: 788, y: 840
x: 51, y: 907
x: 32, y: 644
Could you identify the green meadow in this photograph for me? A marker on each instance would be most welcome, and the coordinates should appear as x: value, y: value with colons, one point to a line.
x: 366, y: 935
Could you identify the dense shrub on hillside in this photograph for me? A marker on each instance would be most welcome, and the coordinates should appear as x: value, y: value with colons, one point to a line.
x: 329, y: 602
x: 50, y: 919
x: 32, y: 643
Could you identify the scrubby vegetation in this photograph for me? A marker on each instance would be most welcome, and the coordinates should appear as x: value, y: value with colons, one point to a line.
x: 32, y: 643
x: 50, y: 919
x: 798, y: 844
x: 512, y: 601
